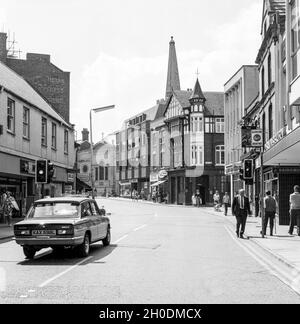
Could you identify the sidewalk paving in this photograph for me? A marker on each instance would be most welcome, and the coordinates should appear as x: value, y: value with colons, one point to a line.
x: 7, y: 232
x: 282, y: 246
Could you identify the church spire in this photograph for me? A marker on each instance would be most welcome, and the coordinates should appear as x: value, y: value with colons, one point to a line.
x: 173, y: 82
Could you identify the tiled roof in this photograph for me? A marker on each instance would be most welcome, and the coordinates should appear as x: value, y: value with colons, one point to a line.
x: 197, y: 93
x: 160, y: 111
x: 14, y: 83
x: 214, y: 101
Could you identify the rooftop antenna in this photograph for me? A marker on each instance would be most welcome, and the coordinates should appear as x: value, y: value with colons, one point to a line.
x: 12, y: 52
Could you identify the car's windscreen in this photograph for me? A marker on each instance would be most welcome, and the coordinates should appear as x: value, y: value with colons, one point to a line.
x: 54, y: 210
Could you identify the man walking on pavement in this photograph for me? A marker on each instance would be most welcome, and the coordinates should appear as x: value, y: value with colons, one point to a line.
x: 241, y: 209
x: 295, y: 210
x: 270, y: 212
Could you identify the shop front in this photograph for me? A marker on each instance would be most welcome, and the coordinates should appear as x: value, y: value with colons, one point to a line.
x: 159, y: 186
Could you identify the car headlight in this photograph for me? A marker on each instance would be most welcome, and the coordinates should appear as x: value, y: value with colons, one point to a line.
x: 25, y: 232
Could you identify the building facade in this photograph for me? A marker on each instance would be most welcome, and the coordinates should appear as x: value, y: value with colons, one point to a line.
x: 104, y: 168
x: 30, y: 129
x: 241, y: 93
x: 49, y: 80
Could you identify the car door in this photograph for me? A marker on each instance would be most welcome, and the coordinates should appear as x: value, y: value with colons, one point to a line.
x: 86, y: 213
x: 102, y: 224
x: 97, y: 219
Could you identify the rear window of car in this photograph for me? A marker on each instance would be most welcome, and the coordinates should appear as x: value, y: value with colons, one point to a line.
x: 54, y: 210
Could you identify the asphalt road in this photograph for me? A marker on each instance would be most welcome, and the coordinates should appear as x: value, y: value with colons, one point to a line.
x: 159, y: 254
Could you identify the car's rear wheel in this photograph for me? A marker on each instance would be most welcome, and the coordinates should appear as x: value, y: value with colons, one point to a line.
x: 29, y: 252
x: 106, y: 241
x: 84, y: 248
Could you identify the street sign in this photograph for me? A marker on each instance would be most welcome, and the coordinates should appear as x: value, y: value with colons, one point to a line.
x: 257, y: 138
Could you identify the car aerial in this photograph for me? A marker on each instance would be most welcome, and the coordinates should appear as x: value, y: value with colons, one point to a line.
x: 62, y: 222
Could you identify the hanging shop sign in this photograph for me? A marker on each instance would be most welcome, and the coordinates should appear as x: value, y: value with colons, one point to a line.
x: 162, y: 174
x: 257, y: 138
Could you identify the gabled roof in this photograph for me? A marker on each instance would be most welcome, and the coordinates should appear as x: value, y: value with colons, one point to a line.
x: 214, y: 101
x: 197, y: 93
x: 14, y: 83
x: 160, y: 110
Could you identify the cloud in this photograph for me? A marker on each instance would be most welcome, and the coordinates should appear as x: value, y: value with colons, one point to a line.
x: 134, y: 84
x: 3, y: 18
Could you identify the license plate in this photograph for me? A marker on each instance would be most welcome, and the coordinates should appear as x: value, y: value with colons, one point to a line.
x: 44, y: 232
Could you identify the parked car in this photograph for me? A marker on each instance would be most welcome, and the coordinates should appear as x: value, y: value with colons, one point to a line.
x: 62, y: 222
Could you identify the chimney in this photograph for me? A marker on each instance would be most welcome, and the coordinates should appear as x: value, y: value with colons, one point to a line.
x: 85, y: 134
x: 3, y: 49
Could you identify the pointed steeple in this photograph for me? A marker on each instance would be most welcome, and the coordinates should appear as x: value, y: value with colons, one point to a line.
x: 197, y: 93
x: 173, y: 82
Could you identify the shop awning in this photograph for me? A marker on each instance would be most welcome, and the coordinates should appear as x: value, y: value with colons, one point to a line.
x: 156, y: 184
x: 80, y: 185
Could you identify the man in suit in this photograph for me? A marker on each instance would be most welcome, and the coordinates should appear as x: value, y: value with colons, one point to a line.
x: 241, y: 210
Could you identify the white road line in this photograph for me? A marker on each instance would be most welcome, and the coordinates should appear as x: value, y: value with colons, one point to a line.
x: 64, y: 272
x: 23, y: 296
x: 283, y: 276
x: 120, y: 239
x: 31, y: 291
x: 139, y: 228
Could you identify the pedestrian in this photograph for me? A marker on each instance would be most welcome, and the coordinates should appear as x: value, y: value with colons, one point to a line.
x: 142, y: 194
x: 198, y: 198
x: 270, y: 212
x: 8, y: 208
x: 226, y: 202
x: 295, y: 210
x: 216, y: 199
x: 241, y: 209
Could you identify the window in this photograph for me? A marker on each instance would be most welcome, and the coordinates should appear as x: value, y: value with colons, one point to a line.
x: 295, y: 36
x: 66, y: 142
x: 197, y: 124
x: 270, y: 121
x: 26, y: 120
x: 263, y: 81
x: 269, y: 70
x: 220, y: 155
x: 11, y: 115
x: 44, y: 131
x: 220, y: 125
x: 97, y: 174
x: 197, y: 155
x: 209, y: 125
x: 101, y: 173
x: 85, y: 169
x: 53, y: 138
x: 106, y: 173
x: 86, y: 210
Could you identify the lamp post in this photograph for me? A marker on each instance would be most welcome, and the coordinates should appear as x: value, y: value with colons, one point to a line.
x: 95, y: 110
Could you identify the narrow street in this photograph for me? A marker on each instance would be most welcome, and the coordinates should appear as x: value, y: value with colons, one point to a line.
x: 159, y: 254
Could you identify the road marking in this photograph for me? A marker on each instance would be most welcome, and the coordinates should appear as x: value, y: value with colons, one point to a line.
x: 290, y: 280
x: 64, y: 272
x: 31, y: 291
x: 120, y: 239
x: 139, y: 228
x: 23, y: 296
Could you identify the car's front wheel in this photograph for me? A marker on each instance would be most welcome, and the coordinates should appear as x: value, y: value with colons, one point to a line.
x: 29, y: 252
x: 106, y: 241
x: 84, y: 248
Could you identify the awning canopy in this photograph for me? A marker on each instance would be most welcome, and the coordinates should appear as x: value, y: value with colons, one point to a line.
x: 156, y: 184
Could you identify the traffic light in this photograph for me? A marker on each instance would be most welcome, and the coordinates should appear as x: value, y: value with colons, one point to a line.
x: 248, y: 169
x: 241, y: 174
x: 51, y: 171
x: 41, y: 171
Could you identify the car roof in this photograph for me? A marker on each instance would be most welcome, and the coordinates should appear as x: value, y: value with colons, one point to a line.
x: 78, y: 200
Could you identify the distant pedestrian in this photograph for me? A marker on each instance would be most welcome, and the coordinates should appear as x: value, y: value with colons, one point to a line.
x: 8, y: 208
x: 198, y: 198
x: 226, y: 202
x: 295, y: 210
x: 216, y: 199
x: 241, y: 210
x: 270, y: 212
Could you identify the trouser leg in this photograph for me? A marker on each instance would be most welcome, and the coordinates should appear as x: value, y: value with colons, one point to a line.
x: 272, y: 219
x: 266, y: 221
x: 244, y: 221
x: 238, y: 224
x: 292, y: 221
x: 226, y: 209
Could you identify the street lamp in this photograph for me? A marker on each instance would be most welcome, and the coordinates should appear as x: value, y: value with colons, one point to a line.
x: 95, y: 110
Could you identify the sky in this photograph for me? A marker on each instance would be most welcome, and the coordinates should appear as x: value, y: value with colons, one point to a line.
x: 117, y: 50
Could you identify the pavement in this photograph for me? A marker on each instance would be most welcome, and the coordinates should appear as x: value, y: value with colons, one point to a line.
x: 282, y: 246
x: 7, y: 232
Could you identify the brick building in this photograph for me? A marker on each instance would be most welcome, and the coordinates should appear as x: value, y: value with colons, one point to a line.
x: 46, y: 78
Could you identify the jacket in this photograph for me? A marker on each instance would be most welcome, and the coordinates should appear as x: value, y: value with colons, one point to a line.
x: 236, y: 208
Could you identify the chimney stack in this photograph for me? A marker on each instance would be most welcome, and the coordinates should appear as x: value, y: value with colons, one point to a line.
x: 3, y: 48
x: 85, y: 134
